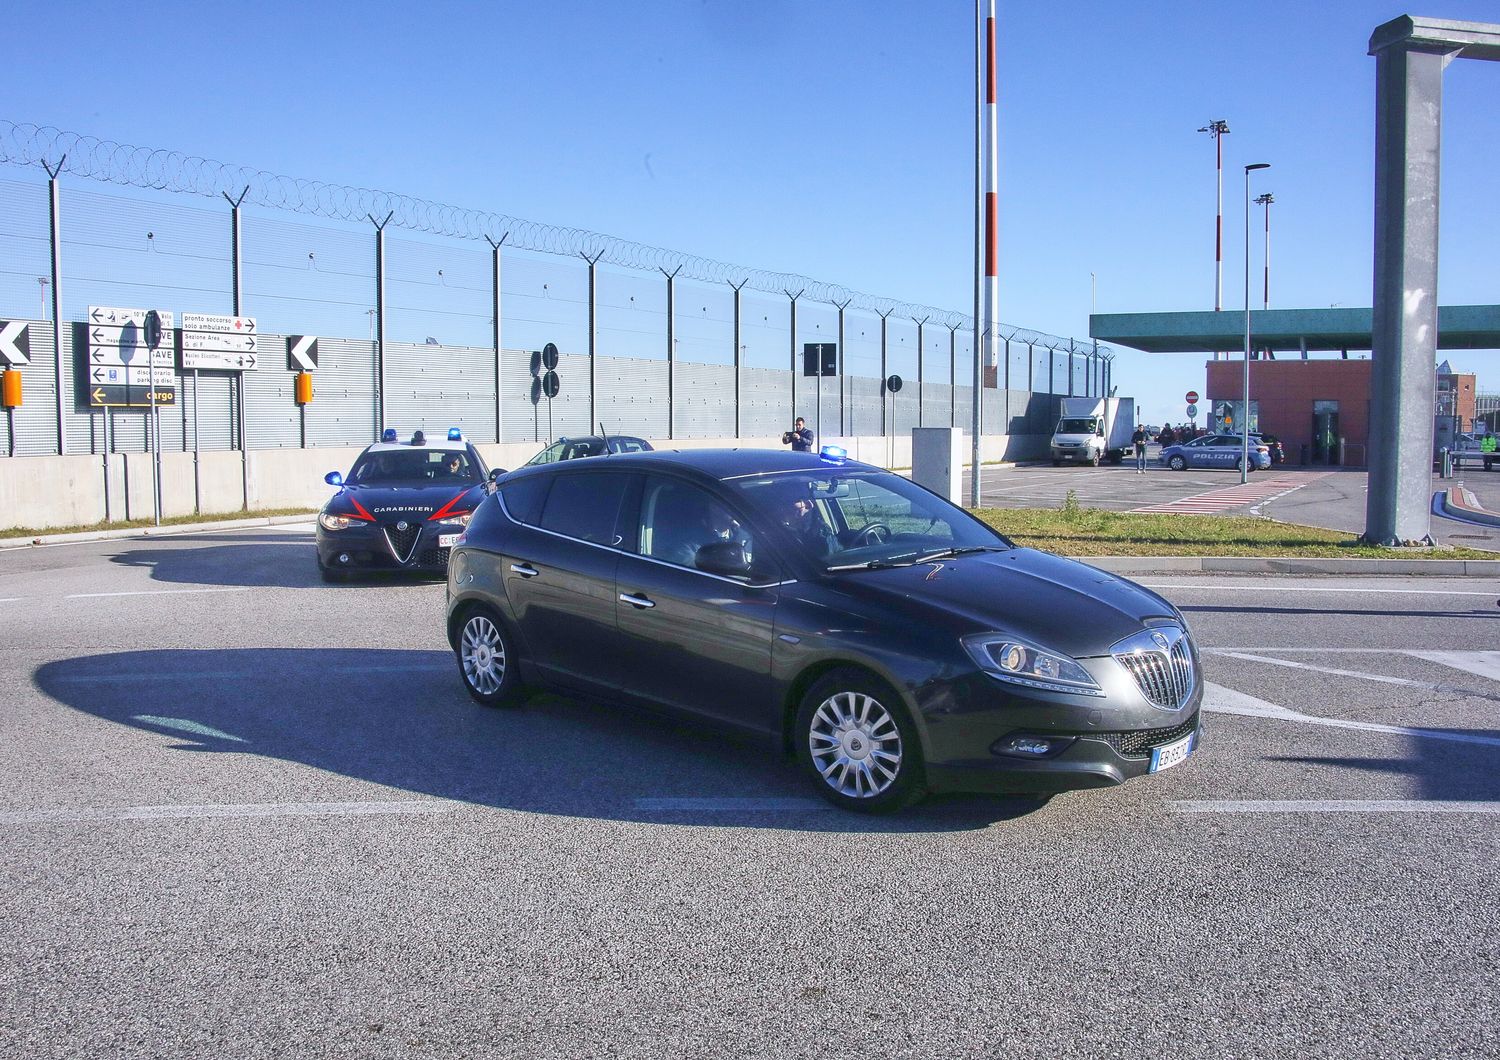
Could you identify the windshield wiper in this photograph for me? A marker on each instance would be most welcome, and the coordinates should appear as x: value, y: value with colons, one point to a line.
x: 879, y: 564
x: 966, y: 550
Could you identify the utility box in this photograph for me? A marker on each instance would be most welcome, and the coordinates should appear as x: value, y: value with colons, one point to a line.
x: 937, y: 460
x: 10, y: 388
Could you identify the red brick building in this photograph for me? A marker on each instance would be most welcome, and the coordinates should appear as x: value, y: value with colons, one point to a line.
x: 1317, y: 404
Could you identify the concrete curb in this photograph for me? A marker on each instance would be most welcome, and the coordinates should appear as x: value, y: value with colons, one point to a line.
x: 1437, y: 568
x: 152, y: 531
x: 1462, y: 504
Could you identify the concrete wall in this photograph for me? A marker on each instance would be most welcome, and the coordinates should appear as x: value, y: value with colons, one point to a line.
x: 44, y: 492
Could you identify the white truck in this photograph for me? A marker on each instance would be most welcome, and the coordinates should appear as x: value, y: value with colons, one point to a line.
x: 1093, y: 430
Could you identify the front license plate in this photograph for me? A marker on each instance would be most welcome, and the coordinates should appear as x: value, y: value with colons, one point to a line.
x: 1169, y: 755
x: 447, y: 540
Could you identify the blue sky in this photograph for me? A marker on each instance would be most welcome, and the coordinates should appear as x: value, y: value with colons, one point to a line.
x: 828, y: 138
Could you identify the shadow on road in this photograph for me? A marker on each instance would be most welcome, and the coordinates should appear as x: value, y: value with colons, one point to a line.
x: 284, y: 561
x: 401, y: 719
x: 1439, y: 769
x: 1482, y: 613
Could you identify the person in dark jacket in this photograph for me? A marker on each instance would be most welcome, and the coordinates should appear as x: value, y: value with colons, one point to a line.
x: 800, y: 438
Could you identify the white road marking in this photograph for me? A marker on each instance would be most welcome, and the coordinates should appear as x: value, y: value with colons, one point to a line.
x: 1221, y: 700
x: 1431, y: 686
x: 1478, y: 663
x: 726, y: 804
x: 1340, y: 590
x: 241, y: 675
x: 1332, y: 806
x: 263, y: 809
x: 185, y: 725
x: 11, y: 599
x: 159, y: 592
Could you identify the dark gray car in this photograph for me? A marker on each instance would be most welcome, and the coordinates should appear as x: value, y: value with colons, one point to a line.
x: 891, y: 641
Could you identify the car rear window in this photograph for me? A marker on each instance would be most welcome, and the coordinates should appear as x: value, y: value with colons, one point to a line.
x: 523, y: 498
x: 585, y: 505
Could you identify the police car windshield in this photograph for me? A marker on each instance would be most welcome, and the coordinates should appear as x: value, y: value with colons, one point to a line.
x: 858, y: 519
x: 401, y: 467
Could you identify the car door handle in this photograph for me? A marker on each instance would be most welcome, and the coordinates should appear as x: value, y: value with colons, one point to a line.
x: 640, y: 602
x: 525, y: 570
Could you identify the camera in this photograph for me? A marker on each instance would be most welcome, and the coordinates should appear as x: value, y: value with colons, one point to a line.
x: 786, y: 437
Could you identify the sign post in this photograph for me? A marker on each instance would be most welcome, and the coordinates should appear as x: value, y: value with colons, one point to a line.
x: 551, y: 384
x: 893, y: 386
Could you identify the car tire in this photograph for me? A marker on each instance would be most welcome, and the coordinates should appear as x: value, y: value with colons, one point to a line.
x: 1094, y: 460
x: 858, y: 744
x: 1239, y: 462
x: 486, y: 655
x: 1177, y: 463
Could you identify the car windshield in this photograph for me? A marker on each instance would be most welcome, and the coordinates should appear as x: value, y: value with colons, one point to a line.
x: 861, y: 519
x: 1075, y: 426
x: 392, y: 467
x: 567, y: 450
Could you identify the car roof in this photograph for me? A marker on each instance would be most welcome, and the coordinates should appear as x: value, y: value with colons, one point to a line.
x: 431, y: 443
x: 575, y: 438
x: 718, y: 464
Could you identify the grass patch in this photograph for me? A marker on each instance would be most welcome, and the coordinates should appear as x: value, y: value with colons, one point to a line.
x: 131, y: 524
x: 1076, y: 531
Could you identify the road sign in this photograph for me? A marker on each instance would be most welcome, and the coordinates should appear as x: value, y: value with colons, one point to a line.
x: 893, y: 384
x: 820, y: 358
x: 1192, y: 397
x: 115, y: 396
x: 117, y: 317
x: 551, y: 385
x: 301, y: 353
x: 119, y: 369
x: 549, y: 356
x: 15, y: 342
x: 1192, y: 412
x: 222, y: 343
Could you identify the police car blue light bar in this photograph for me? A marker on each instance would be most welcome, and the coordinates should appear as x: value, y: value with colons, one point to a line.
x: 833, y: 454
x: 455, y: 435
x: 388, y: 435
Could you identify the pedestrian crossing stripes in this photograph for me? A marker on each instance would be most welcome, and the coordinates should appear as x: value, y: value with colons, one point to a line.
x: 1256, y: 491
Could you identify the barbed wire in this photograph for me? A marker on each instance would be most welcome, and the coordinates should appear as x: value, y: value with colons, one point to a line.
x: 173, y: 171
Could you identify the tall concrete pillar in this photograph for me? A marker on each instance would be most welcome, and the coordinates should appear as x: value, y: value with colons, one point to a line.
x: 1410, y: 56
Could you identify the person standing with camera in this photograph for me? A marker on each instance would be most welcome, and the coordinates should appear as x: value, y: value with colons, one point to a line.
x: 800, y: 438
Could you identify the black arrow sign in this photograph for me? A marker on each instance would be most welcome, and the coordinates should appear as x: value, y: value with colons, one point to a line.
x: 98, y: 335
x: 250, y: 327
x: 98, y: 375
x: 250, y: 361
x: 95, y: 315
x: 98, y: 357
x: 252, y: 342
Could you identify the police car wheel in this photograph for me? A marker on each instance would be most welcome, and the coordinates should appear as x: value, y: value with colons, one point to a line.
x: 858, y: 744
x: 487, y: 659
x: 1177, y: 463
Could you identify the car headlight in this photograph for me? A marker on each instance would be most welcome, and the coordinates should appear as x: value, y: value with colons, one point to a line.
x: 328, y: 521
x: 1016, y: 661
x: 456, y: 519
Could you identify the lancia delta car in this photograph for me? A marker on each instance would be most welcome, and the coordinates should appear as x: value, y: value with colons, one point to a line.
x: 1216, y: 450
x: 402, y: 506
x: 891, y: 641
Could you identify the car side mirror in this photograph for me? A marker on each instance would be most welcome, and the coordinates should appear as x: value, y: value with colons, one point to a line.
x: 333, y: 478
x: 724, y: 558
x: 496, y: 472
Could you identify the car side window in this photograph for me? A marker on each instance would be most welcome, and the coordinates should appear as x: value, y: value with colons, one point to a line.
x: 585, y: 506
x: 678, y: 518
x: 523, y: 498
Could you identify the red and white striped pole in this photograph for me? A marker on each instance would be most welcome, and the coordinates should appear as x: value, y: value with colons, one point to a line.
x: 991, y: 193
x: 1217, y: 128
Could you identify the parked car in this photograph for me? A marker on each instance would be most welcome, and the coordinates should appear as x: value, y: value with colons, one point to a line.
x: 1215, y: 451
x: 1273, y: 445
x: 890, y: 640
x: 402, y: 507
x: 593, y: 445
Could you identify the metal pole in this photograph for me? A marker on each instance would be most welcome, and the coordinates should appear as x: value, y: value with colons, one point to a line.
x: 739, y: 356
x: 237, y: 383
x: 671, y: 351
x: 1030, y: 368
x: 593, y: 284
x: 108, y: 515
x: 495, y: 246
x: 1070, y: 368
x: 976, y: 417
x: 920, y: 358
x: 793, y: 347
x: 197, y: 481
x: 991, y: 204
x: 952, y: 375
x: 54, y: 227
x: 380, y: 319
x: 1245, y: 392
x: 846, y: 427
x: 1051, y: 370
x: 884, y: 374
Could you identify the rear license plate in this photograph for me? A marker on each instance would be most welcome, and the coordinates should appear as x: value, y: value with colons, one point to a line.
x: 1174, y: 753
x: 447, y: 540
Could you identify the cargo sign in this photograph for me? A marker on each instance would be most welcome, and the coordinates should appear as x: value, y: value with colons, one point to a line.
x: 223, y: 343
x: 119, y: 369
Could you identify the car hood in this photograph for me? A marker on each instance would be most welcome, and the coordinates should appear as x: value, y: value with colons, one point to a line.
x: 388, y: 504
x: 1053, y: 602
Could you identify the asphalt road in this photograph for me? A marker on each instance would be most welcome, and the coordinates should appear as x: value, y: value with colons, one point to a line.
x: 1333, y: 498
x: 246, y: 814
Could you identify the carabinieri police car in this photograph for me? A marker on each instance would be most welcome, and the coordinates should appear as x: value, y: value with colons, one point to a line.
x: 402, y: 507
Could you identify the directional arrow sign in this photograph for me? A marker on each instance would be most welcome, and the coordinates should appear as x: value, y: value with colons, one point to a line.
x: 221, y: 324
x: 125, y: 337
x: 212, y: 340
x: 15, y: 342
x: 220, y: 360
x: 114, y: 315
x: 302, y: 352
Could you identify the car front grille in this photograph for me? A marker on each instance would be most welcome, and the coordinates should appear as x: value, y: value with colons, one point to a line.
x: 1164, y: 678
x: 1140, y: 743
x: 402, y: 542
x: 434, y: 557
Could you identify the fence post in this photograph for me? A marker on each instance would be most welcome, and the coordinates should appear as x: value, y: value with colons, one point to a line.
x: 237, y: 382
x: 884, y: 371
x: 952, y: 375
x: 671, y: 350
x: 54, y: 223
x: 495, y: 246
x: 593, y: 336
x: 846, y: 429
x: 920, y: 358
x: 739, y: 355
x: 1052, y: 369
x: 380, y: 319
x: 792, y: 346
x: 1070, y: 369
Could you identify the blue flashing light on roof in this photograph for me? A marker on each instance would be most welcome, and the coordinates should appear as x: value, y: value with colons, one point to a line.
x: 455, y: 435
x: 388, y: 435
x: 833, y: 454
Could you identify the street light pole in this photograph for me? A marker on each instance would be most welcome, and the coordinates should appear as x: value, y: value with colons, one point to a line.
x: 1266, y: 200
x: 1245, y: 392
x: 1217, y: 128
